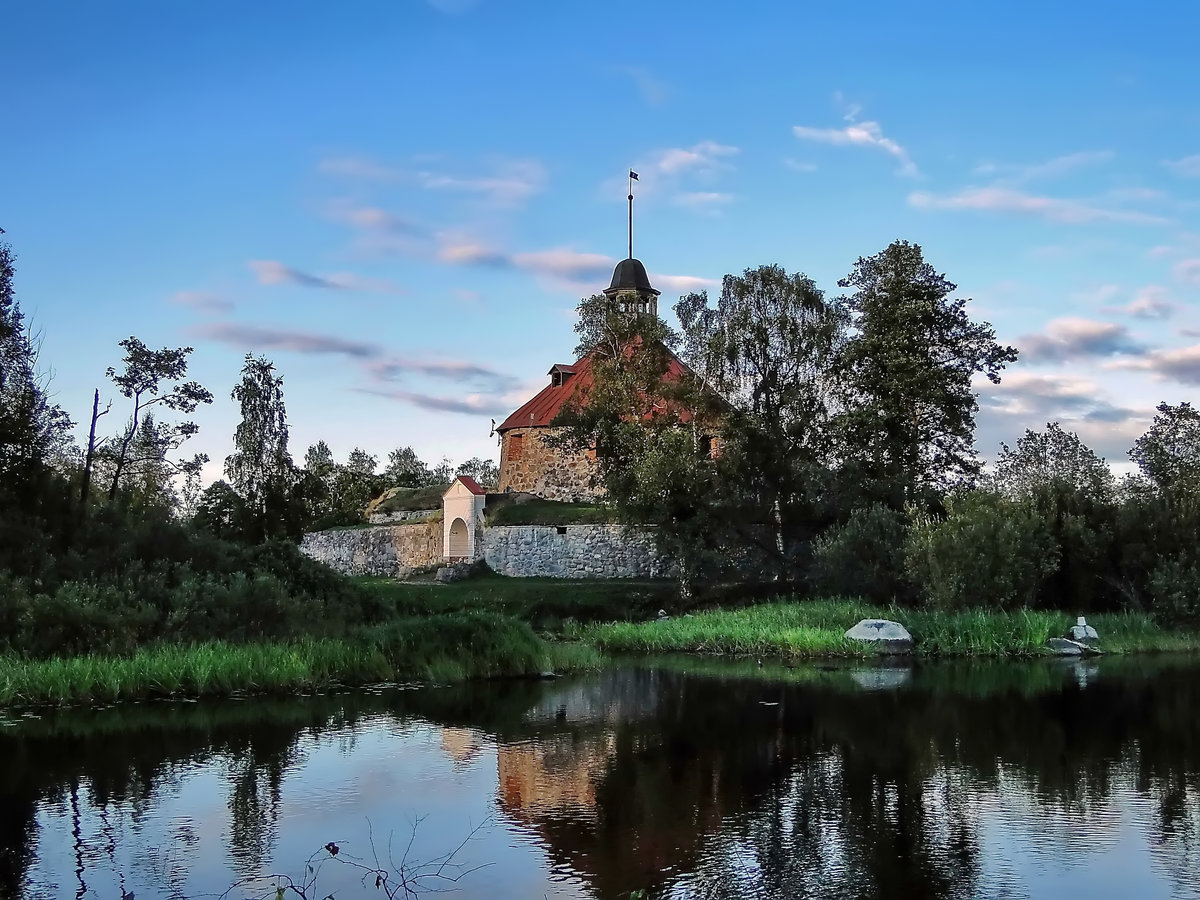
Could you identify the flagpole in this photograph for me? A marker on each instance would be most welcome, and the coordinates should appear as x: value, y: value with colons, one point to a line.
x: 631, y: 213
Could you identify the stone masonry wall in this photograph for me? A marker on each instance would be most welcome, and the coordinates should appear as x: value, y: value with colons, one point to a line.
x: 390, y: 551
x: 572, y: 551
x: 543, y: 469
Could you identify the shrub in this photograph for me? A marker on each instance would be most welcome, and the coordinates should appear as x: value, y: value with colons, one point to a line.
x: 1174, y: 589
x: 862, y: 558
x: 986, y: 552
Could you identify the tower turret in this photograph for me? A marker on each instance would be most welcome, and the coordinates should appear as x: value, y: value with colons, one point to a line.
x: 632, y: 289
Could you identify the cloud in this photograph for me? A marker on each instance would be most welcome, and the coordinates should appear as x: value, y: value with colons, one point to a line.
x: 357, y: 167
x: 473, y: 254
x: 1188, y: 166
x: 1051, y: 168
x: 377, y: 362
x: 797, y: 165
x: 706, y: 156
x: 709, y: 201
x: 469, y: 404
x: 372, y: 218
x: 682, y: 283
x: 653, y: 91
x: 1150, y: 303
x: 209, y: 304
x: 1027, y: 400
x: 1181, y: 364
x: 271, y: 272
x: 565, y: 263
x: 1187, y: 271
x: 859, y: 134
x: 1071, y: 338
x: 513, y: 183
x: 1000, y: 199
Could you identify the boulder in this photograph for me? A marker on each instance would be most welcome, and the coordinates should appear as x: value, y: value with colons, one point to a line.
x: 456, y: 572
x: 1064, y: 647
x: 1083, y: 633
x: 890, y: 637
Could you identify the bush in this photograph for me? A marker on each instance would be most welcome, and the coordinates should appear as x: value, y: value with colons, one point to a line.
x: 987, y: 552
x: 1174, y: 589
x: 862, y: 558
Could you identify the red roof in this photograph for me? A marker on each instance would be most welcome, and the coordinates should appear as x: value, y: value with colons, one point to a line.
x: 470, y: 484
x: 545, y: 405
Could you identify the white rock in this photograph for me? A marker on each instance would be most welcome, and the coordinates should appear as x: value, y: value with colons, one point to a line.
x: 871, y: 630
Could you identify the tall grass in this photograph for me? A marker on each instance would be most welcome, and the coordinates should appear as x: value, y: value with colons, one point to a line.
x: 816, y: 628
x: 441, y: 648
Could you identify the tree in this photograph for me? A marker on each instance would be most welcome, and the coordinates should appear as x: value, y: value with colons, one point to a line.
x: 769, y: 346
x: 908, y: 418
x: 147, y: 372
x: 260, y: 469
x: 1169, y: 452
x: 31, y: 427
x: 318, y: 459
x: 1050, y: 458
x: 361, y: 463
x: 405, y: 468
x: 485, y: 472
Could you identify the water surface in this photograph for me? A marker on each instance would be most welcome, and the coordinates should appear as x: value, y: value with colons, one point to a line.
x: 675, y: 778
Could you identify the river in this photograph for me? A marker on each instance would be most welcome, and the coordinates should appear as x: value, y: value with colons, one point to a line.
x: 672, y: 778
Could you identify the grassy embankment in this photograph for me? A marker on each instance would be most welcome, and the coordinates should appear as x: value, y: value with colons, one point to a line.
x: 815, y: 628
x: 482, y: 628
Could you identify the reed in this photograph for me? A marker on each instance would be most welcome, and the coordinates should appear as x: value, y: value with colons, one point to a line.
x: 815, y: 628
x: 440, y: 648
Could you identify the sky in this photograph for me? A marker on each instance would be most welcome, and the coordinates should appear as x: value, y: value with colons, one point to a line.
x: 400, y: 203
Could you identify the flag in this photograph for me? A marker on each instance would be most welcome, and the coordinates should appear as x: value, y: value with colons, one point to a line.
x: 633, y: 175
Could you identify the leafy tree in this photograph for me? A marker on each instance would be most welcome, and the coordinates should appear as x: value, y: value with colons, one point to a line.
x: 31, y: 427
x: 318, y: 459
x: 361, y: 463
x: 1073, y: 490
x: 908, y: 421
x: 260, y: 468
x: 405, y: 469
x: 484, y: 471
x: 443, y: 472
x: 769, y: 346
x: 1169, y: 452
x: 1054, y: 457
x: 987, y: 552
x: 146, y: 380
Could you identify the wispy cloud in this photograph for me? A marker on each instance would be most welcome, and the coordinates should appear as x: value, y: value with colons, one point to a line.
x: 1187, y: 166
x: 511, y: 184
x: 1054, y: 209
x: 272, y: 272
x: 372, y: 218
x: 1071, y: 338
x: 208, y: 304
x: 1180, y: 364
x: 1151, y: 302
x: 1187, y: 271
x: 469, y: 404
x: 1011, y: 174
x: 705, y: 156
x: 859, y: 134
x: 358, y: 167
x: 799, y: 165
x: 653, y: 91
x: 378, y: 363
x: 682, y: 283
x: 705, y: 201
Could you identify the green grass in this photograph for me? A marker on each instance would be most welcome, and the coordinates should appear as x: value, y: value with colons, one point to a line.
x: 439, y: 648
x: 545, y: 512
x: 547, y: 604
x: 815, y: 629
x: 409, y: 499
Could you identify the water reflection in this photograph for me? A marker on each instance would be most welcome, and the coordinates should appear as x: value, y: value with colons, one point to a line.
x: 677, y: 778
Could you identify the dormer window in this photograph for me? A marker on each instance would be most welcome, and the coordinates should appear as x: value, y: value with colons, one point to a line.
x: 560, y: 374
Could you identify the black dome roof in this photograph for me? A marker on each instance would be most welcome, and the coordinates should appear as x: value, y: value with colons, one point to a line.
x: 630, y: 275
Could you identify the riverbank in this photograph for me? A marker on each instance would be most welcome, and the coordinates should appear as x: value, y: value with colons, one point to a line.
x: 434, y: 649
x: 816, y: 628
x: 494, y: 627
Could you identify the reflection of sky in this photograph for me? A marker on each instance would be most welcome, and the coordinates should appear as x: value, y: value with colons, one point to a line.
x: 377, y: 784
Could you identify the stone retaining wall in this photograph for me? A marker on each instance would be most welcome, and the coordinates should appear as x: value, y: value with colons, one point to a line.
x: 520, y: 551
x: 391, y: 551
x: 402, y: 515
x: 572, y: 551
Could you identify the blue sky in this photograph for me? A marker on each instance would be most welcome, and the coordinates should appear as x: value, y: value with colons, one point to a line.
x: 400, y: 203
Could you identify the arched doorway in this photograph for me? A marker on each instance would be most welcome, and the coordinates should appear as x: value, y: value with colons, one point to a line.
x: 460, y: 540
